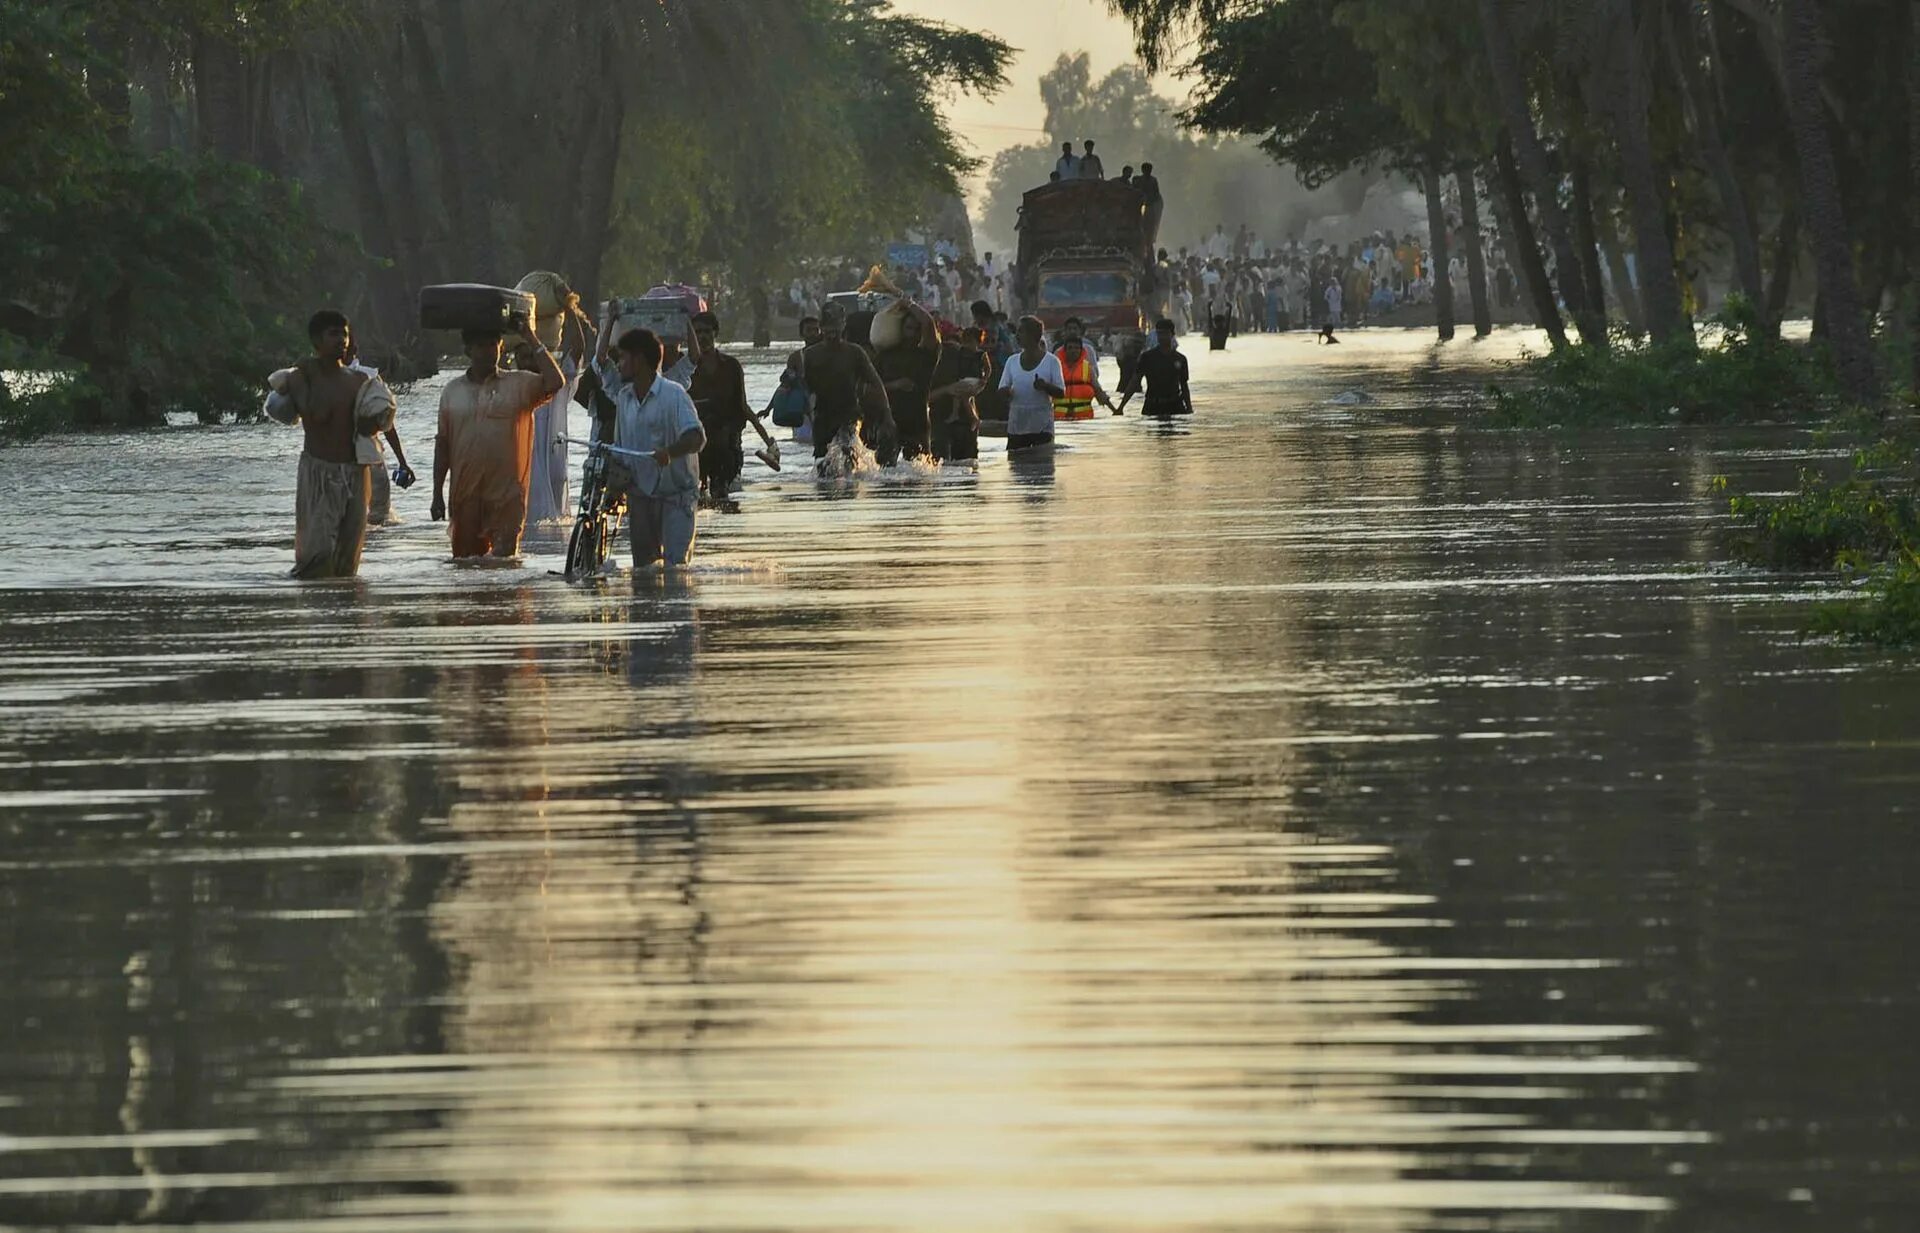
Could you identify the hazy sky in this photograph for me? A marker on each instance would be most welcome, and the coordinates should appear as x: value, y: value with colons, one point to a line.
x: 1039, y: 30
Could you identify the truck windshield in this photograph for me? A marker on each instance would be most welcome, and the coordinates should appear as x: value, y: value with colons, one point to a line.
x: 1073, y: 288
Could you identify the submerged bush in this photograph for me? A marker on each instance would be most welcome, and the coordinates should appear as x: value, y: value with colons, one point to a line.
x: 1735, y: 374
x: 1866, y: 526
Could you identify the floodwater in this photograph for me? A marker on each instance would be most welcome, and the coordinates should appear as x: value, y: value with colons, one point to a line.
x: 1313, y: 817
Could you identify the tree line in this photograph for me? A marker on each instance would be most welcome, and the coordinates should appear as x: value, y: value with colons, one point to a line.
x: 186, y: 178
x: 1771, y: 136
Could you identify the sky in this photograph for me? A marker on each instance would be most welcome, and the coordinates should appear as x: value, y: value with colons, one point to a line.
x: 1039, y: 31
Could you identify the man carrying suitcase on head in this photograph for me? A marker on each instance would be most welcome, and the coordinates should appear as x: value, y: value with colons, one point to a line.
x: 486, y: 444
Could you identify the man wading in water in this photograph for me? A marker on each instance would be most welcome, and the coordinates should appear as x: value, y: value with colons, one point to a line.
x: 719, y: 390
x: 1163, y: 370
x: 326, y: 400
x: 844, y: 384
x: 655, y: 419
x: 486, y: 442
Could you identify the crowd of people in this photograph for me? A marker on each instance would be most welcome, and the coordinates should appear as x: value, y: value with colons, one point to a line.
x: 1302, y: 285
x: 670, y: 419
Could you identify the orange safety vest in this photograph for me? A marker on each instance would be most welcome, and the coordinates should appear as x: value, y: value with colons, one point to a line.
x: 1078, y: 404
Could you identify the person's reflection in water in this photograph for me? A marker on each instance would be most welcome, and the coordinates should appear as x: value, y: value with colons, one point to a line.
x: 1032, y: 473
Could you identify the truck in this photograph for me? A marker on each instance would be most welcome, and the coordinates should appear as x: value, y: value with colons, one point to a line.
x: 1086, y: 251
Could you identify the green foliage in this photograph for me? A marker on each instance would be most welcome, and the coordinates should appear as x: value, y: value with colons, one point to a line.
x: 1736, y: 375
x: 827, y: 141
x: 1885, y: 606
x: 1865, y: 526
x: 148, y: 281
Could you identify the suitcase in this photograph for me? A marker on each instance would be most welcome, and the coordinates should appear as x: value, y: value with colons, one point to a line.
x: 474, y: 306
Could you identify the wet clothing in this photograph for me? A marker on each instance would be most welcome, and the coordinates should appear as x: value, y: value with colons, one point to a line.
x: 719, y: 393
x: 661, y: 529
x: 331, y: 484
x: 956, y: 424
x: 547, y: 496
x: 329, y: 518
x: 1017, y: 441
x: 836, y: 370
x: 912, y: 422
x: 652, y: 423
x: 1164, y: 374
x: 660, y: 500
x: 486, y: 429
x: 1030, y: 409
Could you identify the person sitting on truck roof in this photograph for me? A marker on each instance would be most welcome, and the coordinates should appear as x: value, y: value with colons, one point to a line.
x: 1090, y: 168
x: 1068, y: 165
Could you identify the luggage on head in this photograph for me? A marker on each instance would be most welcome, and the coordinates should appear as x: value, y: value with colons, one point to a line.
x: 475, y: 306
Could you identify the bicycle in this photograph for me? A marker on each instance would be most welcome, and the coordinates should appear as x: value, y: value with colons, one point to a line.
x: 598, y: 521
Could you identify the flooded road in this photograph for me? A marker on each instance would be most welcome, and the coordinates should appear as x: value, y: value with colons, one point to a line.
x: 1315, y: 817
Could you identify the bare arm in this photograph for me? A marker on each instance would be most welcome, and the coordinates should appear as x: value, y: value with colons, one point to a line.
x: 440, y: 467
x: 606, y: 332
x: 399, y: 455
x: 552, y: 380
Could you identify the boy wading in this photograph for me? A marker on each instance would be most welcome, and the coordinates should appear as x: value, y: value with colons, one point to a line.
x: 329, y: 402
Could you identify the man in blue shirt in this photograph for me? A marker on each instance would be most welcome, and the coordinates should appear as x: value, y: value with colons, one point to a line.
x: 655, y: 418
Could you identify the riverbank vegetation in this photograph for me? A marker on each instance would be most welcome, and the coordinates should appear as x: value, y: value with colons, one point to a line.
x: 1638, y: 154
x: 185, y: 182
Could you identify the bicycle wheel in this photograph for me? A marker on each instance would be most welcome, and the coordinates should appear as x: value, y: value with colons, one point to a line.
x: 584, y: 551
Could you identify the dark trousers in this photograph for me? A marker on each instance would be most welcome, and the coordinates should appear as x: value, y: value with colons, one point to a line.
x: 956, y: 441
x: 720, y: 462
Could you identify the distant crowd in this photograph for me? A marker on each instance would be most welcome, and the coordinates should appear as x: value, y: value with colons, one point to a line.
x: 1305, y: 284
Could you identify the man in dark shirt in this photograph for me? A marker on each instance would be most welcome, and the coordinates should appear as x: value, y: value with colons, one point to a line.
x: 719, y: 391
x: 1164, y: 372
x: 907, y: 369
x: 961, y: 374
x: 1151, y: 200
x: 845, y: 386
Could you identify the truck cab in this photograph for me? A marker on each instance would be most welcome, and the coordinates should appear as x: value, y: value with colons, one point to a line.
x: 1085, y: 252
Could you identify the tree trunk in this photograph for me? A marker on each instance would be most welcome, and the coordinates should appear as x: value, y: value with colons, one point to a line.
x: 392, y: 302
x: 762, y: 317
x: 1703, y: 114
x: 1629, y: 96
x: 1523, y: 250
x: 1586, y: 237
x: 478, y: 168
x: 589, y: 241
x: 109, y: 76
x: 1511, y: 88
x: 1476, y: 251
x: 435, y: 108
x: 1913, y: 195
x: 1845, y: 316
x: 220, y: 97
x: 156, y: 83
x: 1786, y: 254
x: 1437, y: 247
x: 1623, y: 288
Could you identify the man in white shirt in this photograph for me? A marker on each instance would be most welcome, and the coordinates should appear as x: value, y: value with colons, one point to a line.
x: 1068, y: 165
x: 1091, y: 167
x: 655, y: 418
